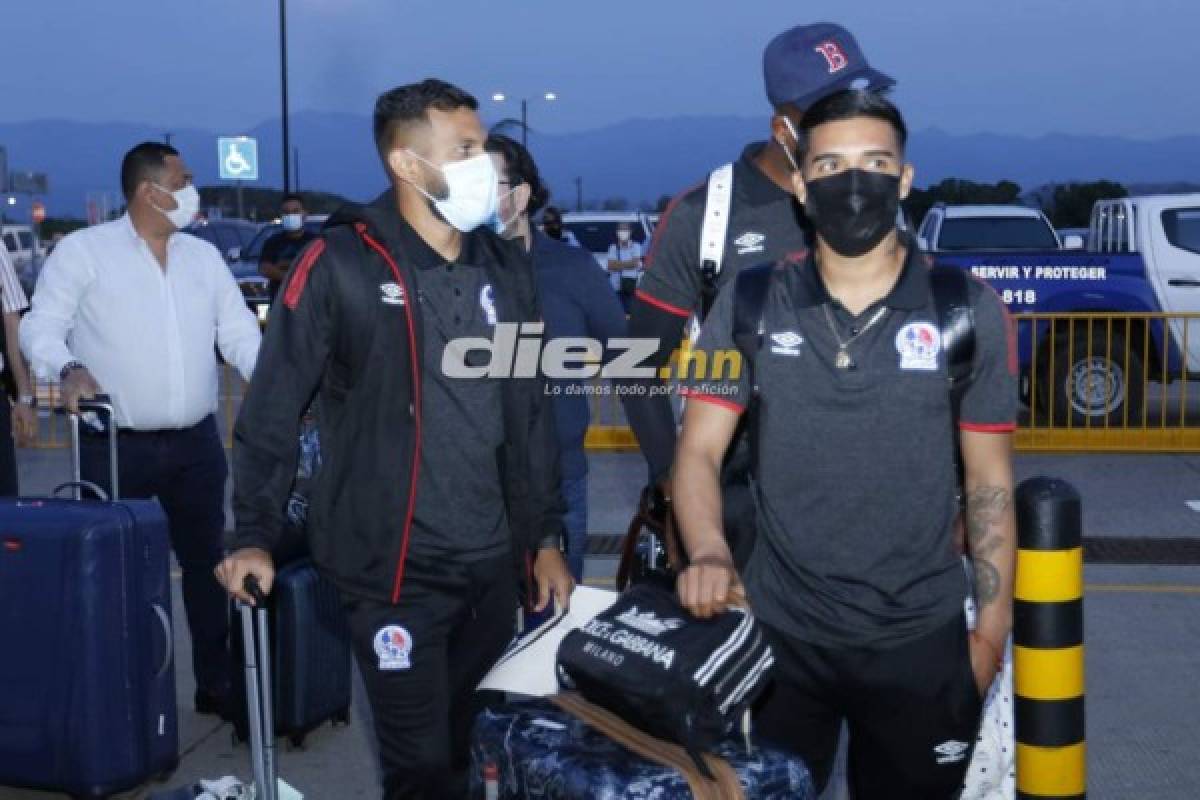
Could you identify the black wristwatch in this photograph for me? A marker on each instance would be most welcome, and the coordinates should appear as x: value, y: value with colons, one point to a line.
x: 68, y: 367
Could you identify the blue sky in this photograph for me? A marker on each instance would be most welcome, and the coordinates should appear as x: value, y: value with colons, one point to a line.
x: 1019, y: 66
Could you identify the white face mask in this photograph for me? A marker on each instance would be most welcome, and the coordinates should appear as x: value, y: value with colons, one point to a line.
x: 624, y: 236
x: 499, y: 224
x: 292, y: 222
x: 471, y: 191
x: 187, y: 206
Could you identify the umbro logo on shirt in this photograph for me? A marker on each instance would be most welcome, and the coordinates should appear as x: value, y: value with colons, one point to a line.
x: 786, y: 343
x: 750, y: 242
x: 393, y: 294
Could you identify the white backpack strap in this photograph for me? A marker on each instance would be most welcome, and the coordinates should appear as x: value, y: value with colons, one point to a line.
x: 716, y: 217
x: 712, y: 235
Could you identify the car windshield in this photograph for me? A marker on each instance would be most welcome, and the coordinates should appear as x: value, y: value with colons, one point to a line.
x: 599, y: 235
x: 996, y: 233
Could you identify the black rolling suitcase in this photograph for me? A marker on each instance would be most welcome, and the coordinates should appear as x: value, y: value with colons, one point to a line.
x: 312, y: 668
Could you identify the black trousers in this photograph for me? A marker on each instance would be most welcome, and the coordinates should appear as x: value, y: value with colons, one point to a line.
x: 186, y: 471
x: 913, y: 712
x: 421, y: 661
x: 8, y: 451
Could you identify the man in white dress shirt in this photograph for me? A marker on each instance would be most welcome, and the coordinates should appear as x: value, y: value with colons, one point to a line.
x: 132, y: 309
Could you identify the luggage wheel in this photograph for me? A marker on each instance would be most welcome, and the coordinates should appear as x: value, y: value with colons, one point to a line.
x: 296, y: 740
x: 341, y: 718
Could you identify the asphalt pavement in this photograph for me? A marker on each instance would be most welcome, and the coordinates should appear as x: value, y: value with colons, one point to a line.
x: 1142, y: 634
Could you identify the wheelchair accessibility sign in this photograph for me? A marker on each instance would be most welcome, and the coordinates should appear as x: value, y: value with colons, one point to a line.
x: 237, y: 158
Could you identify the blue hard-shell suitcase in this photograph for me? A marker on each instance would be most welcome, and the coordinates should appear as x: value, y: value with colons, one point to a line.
x: 312, y: 668
x: 536, y: 751
x: 87, y: 679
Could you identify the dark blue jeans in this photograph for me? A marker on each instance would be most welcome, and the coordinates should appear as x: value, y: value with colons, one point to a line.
x: 575, y: 493
x: 186, y: 471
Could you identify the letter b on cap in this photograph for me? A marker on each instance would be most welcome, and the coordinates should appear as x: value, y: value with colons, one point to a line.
x: 834, y: 56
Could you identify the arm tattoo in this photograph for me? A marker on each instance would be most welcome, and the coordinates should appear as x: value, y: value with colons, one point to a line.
x: 986, y: 507
x: 987, y: 582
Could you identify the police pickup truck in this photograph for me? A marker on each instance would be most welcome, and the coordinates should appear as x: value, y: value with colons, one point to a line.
x: 1142, y: 255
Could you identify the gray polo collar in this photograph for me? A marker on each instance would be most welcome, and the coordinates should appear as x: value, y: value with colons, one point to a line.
x: 910, y: 293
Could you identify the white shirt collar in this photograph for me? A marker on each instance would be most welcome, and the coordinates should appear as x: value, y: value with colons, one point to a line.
x: 126, y: 222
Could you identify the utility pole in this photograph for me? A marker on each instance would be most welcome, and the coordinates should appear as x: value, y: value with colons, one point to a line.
x: 167, y: 136
x: 283, y: 72
x: 525, y: 123
x: 296, y: 167
x: 579, y: 194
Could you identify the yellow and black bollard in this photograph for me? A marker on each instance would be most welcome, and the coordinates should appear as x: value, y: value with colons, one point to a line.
x: 1048, y: 642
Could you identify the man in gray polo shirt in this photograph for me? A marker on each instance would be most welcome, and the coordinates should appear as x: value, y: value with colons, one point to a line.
x: 800, y: 66
x: 855, y: 575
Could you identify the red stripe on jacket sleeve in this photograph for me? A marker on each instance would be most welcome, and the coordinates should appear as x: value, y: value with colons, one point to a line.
x: 299, y: 277
x: 662, y: 304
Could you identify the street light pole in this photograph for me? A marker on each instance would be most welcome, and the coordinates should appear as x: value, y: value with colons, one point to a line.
x: 500, y: 97
x: 283, y: 72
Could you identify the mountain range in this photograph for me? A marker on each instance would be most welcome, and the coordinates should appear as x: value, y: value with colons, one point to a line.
x: 638, y: 160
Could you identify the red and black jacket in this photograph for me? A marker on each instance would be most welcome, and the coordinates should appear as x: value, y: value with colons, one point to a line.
x: 342, y: 331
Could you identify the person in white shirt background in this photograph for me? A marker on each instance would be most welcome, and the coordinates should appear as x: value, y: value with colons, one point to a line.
x: 132, y: 309
x: 20, y: 426
x: 625, y: 264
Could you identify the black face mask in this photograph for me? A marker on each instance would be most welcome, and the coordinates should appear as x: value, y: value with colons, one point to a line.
x: 553, y: 229
x: 854, y: 210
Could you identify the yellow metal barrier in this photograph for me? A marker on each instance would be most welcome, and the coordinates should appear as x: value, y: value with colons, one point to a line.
x: 52, y: 428
x: 1108, y: 382
x: 1103, y: 382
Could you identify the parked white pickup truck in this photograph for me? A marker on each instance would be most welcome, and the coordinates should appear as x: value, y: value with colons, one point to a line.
x: 1143, y: 255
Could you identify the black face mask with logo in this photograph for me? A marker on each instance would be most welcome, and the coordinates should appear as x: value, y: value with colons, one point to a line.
x: 854, y: 210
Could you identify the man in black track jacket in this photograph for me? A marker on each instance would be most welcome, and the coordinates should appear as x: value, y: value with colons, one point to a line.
x: 435, y: 481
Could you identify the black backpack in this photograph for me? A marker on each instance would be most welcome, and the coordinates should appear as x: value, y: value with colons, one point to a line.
x: 683, y: 679
x: 956, y: 323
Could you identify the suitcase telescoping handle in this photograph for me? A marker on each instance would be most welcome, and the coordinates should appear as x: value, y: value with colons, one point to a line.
x: 258, y: 689
x: 102, y: 406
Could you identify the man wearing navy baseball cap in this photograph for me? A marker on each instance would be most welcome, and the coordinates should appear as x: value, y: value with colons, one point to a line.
x: 811, y: 62
x: 742, y: 216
